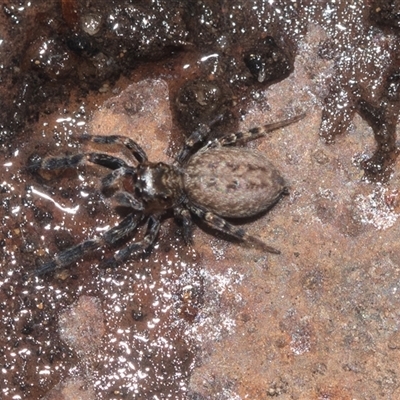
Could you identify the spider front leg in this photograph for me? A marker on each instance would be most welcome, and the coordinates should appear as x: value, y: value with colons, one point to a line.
x: 73, y: 254
x: 111, y: 180
x: 126, y: 199
x: 122, y: 198
x: 220, y: 224
x: 124, y: 141
x: 103, y: 159
x: 69, y: 162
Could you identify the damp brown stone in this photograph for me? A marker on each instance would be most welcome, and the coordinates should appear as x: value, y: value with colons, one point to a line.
x: 352, y: 315
x: 81, y: 326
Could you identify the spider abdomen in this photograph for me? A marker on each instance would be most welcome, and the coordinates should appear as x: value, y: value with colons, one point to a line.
x: 232, y: 182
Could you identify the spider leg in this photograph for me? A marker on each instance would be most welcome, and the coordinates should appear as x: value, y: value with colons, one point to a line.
x: 130, y: 144
x: 198, y: 136
x: 253, y: 133
x: 122, y: 198
x: 74, y: 253
x: 184, y: 215
x: 122, y: 255
x: 110, y: 180
x: 61, y: 163
x: 127, y: 225
x: 68, y: 256
x: 220, y: 224
x: 126, y: 199
x: 107, y: 161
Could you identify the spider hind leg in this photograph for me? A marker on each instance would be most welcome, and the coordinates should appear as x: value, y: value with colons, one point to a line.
x: 220, y: 224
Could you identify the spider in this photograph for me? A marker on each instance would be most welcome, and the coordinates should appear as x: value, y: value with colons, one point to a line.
x: 218, y: 181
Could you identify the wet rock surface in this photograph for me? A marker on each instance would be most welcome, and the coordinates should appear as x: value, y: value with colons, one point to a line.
x: 219, y: 319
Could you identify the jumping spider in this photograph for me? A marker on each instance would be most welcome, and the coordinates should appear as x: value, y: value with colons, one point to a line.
x: 216, y: 182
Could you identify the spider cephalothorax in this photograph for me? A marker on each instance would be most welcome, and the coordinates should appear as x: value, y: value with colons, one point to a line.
x: 218, y: 181
x: 159, y: 185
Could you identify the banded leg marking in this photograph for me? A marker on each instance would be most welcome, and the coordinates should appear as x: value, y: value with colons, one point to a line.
x: 220, y: 224
x: 74, y: 253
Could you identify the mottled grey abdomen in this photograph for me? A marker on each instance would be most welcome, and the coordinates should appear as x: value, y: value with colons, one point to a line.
x: 232, y: 182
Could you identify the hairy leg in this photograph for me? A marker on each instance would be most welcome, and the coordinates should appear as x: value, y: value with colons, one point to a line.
x: 130, y: 144
x: 254, y: 133
x: 74, y: 253
x: 125, y: 253
x: 126, y: 199
x: 198, y: 136
x: 184, y: 215
x: 67, y: 162
x: 220, y: 224
x: 112, y: 179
